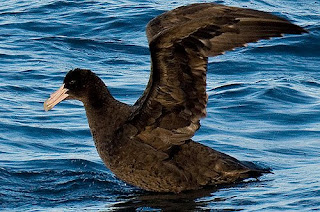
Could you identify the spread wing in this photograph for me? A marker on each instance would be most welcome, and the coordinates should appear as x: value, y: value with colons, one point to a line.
x: 180, y: 41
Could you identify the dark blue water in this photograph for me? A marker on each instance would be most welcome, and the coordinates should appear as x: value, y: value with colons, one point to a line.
x: 264, y: 106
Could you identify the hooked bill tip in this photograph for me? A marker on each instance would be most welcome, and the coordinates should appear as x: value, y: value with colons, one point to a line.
x: 55, y: 98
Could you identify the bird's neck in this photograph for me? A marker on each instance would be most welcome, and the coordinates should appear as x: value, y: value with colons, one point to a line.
x: 105, y: 115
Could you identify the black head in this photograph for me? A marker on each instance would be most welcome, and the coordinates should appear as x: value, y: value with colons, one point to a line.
x: 80, y: 84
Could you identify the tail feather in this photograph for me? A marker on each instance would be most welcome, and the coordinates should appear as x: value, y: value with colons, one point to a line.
x: 255, y: 170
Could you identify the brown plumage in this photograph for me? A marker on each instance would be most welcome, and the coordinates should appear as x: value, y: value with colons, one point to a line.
x: 149, y: 144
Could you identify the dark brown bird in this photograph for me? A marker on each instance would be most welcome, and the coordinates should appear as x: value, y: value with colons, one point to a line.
x: 149, y: 143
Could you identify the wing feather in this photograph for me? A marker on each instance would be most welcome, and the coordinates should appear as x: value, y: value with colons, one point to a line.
x: 180, y: 41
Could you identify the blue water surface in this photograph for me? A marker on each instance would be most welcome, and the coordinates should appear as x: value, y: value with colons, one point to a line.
x: 264, y: 106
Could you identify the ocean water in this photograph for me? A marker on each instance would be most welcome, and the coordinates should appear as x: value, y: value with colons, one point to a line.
x: 264, y: 106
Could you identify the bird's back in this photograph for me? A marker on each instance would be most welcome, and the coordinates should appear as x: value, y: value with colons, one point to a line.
x: 185, y: 167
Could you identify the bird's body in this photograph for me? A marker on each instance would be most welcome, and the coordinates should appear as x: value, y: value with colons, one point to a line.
x: 188, y: 166
x: 149, y: 143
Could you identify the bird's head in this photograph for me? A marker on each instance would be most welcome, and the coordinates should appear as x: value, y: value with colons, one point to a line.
x: 76, y: 85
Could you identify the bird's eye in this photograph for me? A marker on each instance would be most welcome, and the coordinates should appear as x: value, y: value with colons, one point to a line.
x: 72, y: 82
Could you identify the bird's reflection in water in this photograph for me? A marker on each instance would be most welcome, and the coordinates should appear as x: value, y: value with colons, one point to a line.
x: 199, y: 200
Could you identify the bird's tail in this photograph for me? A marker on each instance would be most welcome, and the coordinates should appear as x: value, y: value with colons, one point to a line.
x: 255, y: 170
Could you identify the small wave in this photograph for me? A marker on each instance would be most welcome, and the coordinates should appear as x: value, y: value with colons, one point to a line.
x: 51, y: 182
x: 287, y: 94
